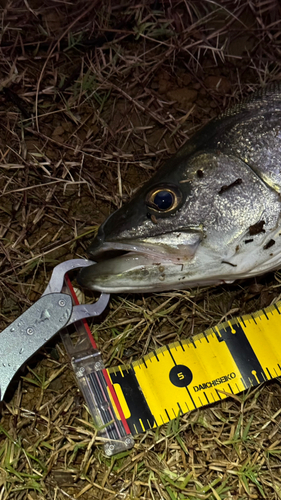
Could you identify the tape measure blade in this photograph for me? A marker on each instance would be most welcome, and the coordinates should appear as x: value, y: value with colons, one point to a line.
x: 186, y: 375
x: 135, y: 407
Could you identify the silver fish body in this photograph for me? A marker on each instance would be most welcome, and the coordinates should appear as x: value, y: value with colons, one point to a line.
x: 210, y: 215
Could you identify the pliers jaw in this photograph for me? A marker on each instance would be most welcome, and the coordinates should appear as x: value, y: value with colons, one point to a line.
x: 44, y: 319
x: 56, y: 283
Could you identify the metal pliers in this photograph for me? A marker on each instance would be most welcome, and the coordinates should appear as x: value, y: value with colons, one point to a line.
x: 52, y: 312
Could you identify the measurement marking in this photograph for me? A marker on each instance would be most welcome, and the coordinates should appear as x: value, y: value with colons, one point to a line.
x: 268, y: 372
x: 180, y: 343
x: 141, y: 422
x: 193, y: 343
x: 217, y: 334
x: 276, y: 307
x: 154, y: 424
x: 206, y: 337
x: 242, y: 321
x: 180, y: 408
x: 163, y: 422
x: 241, y: 349
x: 218, y: 394
x: 155, y: 354
x: 231, y: 326
x: 242, y: 380
x: 264, y: 312
x: 230, y: 388
x: 206, y: 397
x: 169, y: 351
x: 188, y: 391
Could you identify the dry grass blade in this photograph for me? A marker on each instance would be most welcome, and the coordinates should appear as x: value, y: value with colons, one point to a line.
x: 94, y: 96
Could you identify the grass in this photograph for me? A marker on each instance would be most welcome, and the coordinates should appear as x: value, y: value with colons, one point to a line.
x: 88, y: 111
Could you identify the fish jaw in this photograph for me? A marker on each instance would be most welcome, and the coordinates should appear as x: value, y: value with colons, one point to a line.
x: 147, y: 268
x: 138, y: 272
x: 176, y: 246
x: 143, y: 264
x: 143, y: 272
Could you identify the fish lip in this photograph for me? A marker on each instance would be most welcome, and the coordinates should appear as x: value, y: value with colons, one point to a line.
x: 173, y: 250
x: 112, y: 249
x: 106, y: 249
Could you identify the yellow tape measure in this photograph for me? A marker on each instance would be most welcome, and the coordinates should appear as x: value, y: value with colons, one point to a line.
x: 189, y: 374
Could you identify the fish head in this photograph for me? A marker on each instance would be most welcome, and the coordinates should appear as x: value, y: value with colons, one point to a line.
x: 136, y: 243
x: 177, y: 230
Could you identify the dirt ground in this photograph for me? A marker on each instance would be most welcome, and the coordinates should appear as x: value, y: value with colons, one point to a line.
x: 94, y: 96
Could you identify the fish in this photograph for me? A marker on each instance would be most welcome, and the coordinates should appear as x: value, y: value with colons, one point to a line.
x: 210, y: 215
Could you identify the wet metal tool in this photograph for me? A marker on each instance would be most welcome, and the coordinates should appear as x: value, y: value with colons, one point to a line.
x: 129, y: 399
x: 53, y: 312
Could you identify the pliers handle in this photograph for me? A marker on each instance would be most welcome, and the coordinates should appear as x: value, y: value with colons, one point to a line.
x: 52, y: 312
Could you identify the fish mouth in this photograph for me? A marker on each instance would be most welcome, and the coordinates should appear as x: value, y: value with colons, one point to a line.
x: 111, y: 250
x: 138, y: 265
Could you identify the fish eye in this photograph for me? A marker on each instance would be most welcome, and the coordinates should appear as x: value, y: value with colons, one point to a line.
x: 164, y: 198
